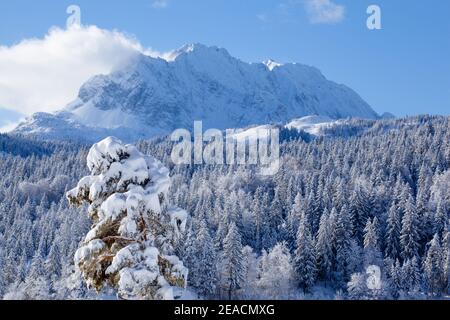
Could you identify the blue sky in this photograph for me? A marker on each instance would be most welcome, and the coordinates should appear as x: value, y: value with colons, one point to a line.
x: 403, y: 68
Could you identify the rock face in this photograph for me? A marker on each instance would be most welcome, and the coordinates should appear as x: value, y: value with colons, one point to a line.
x: 151, y: 96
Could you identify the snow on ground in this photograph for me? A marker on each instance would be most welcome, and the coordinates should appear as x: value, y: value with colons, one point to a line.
x: 252, y: 134
x: 271, y: 64
x: 311, y: 124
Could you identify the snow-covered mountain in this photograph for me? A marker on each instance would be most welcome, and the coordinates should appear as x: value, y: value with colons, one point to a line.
x: 151, y: 96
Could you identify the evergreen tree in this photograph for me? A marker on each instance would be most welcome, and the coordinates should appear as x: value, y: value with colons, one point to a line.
x: 233, y: 268
x: 305, y: 258
x: 324, y: 249
x: 412, y: 277
x: 202, y: 263
x: 446, y: 252
x: 342, y: 243
x: 265, y: 234
x: 131, y: 243
x: 434, y: 268
x: 392, y: 240
x: 397, y: 277
x: 372, y: 255
x: 357, y: 287
x: 409, y: 238
x: 440, y: 219
x: 276, y: 214
x: 293, y: 221
x: 362, y: 210
x: 222, y: 230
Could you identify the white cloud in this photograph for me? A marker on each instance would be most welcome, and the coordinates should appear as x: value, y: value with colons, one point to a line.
x: 324, y: 11
x: 160, y: 4
x: 262, y: 17
x: 8, y: 127
x: 46, y: 74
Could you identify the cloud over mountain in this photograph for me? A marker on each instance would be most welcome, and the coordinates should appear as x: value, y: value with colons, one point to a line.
x: 45, y: 74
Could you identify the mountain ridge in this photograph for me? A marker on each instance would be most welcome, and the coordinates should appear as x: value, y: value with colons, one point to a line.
x: 153, y: 96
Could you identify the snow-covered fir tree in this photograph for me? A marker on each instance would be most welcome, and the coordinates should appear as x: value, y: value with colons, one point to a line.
x: 392, y: 239
x: 324, y: 248
x: 131, y: 244
x: 409, y: 237
x: 232, y: 266
x: 343, y: 247
x: 200, y: 258
x: 305, y: 262
x: 372, y: 254
x: 434, y: 268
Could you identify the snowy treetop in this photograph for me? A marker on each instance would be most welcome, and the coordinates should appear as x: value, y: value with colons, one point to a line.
x: 130, y: 245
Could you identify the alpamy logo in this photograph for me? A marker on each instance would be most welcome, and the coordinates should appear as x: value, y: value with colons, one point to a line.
x: 374, y: 20
x: 74, y: 20
x: 259, y: 146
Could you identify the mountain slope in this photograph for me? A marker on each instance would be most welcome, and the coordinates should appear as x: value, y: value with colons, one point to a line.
x: 151, y: 96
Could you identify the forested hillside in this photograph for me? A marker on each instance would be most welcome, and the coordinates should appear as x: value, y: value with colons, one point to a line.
x: 367, y: 193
